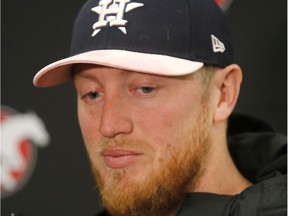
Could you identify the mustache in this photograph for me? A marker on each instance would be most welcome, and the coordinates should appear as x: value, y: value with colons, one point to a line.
x: 117, y: 143
x: 120, y: 143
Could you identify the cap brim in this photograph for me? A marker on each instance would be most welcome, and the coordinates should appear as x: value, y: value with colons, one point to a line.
x: 60, y: 71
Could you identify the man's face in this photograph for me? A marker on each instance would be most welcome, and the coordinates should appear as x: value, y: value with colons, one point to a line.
x: 146, y: 136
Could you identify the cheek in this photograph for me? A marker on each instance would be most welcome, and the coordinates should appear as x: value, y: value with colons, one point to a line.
x: 167, y: 124
x: 162, y: 132
x: 88, y: 124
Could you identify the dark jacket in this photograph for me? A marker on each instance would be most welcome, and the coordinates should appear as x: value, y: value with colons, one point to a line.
x: 260, y: 153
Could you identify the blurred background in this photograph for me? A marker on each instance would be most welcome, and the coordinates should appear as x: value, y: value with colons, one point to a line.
x: 55, y: 178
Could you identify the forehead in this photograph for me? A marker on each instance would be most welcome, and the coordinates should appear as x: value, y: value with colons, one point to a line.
x: 92, y: 71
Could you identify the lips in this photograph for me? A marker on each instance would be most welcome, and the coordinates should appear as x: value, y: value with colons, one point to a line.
x: 120, y: 158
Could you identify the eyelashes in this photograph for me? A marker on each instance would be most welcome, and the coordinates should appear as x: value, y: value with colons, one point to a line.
x: 145, y: 90
x: 93, y: 95
x: 139, y: 91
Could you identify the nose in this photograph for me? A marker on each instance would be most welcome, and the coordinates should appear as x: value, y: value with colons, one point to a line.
x: 115, y: 118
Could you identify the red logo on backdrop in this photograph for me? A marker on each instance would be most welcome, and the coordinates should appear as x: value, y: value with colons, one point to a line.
x: 21, y: 134
x: 224, y: 4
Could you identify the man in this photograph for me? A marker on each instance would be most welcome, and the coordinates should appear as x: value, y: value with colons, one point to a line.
x: 156, y: 85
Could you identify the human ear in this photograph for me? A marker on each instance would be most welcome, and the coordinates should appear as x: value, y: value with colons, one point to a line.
x: 228, y: 81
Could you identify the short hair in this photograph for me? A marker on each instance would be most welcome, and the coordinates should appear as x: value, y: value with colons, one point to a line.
x: 206, y: 73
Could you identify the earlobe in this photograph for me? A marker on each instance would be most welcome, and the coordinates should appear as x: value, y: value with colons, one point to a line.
x: 228, y: 83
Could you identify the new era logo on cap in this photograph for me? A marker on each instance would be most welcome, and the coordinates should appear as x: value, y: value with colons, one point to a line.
x: 111, y: 13
x: 217, y: 45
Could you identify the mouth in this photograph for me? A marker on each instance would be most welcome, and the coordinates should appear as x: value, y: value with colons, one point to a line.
x: 120, y: 158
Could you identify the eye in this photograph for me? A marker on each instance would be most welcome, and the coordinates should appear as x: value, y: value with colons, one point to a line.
x: 92, y: 95
x: 146, y: 89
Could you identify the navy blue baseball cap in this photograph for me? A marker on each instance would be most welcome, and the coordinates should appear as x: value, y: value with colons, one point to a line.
x: 162, y: 37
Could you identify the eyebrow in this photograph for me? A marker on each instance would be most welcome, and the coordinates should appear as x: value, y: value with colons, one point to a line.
x: 81, y: 74
x: 74, y: 74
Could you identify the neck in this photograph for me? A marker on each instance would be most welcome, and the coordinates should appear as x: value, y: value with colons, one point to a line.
x: 219, y: 174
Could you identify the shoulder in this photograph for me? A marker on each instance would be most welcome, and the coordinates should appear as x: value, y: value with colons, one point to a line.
x: 268, y: 198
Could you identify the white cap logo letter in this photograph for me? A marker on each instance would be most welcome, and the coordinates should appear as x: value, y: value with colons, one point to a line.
x: 111, y: 13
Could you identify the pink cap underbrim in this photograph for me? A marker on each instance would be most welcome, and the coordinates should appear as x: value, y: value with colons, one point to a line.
x: 60, y: 71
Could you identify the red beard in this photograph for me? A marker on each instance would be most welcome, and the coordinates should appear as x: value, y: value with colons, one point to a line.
x: 163, y: 188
